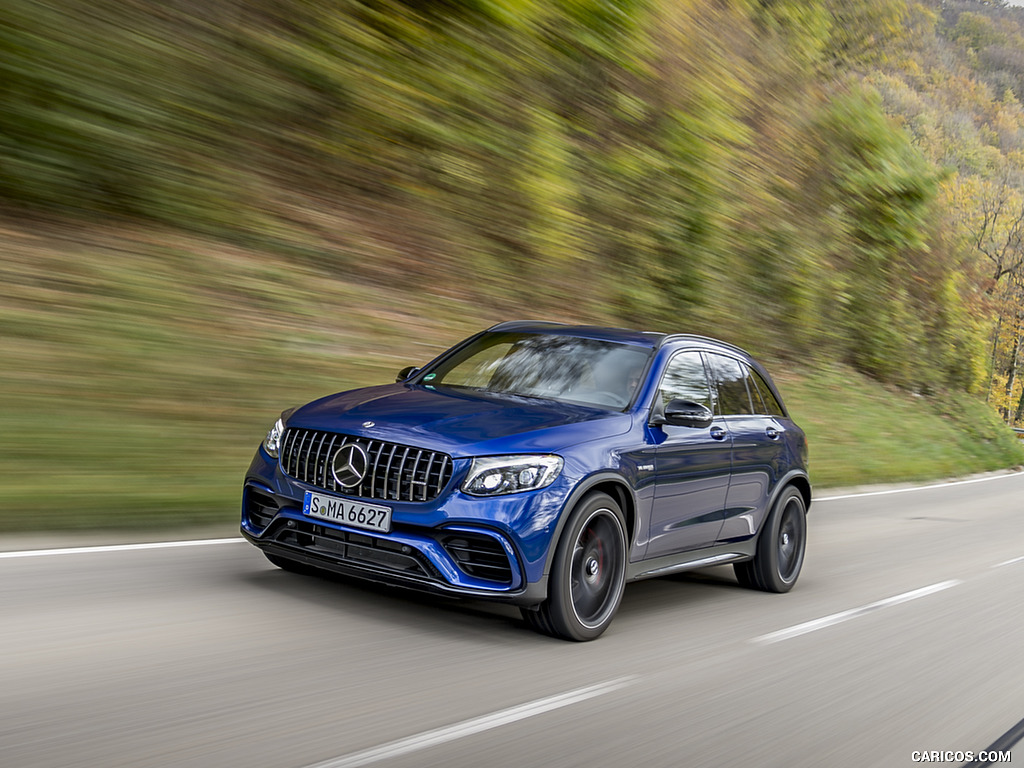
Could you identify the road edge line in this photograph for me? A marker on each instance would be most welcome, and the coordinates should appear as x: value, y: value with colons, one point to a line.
x: 113, y: 548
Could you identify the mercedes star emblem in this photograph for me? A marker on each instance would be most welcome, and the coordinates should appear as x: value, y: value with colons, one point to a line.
x: 349, y: 465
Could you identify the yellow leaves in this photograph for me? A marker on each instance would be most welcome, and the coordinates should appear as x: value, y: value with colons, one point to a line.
x: 864, y: 33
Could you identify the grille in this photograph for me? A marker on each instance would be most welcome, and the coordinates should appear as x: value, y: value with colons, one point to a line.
x: 394, y: 473
x: 480, y: 556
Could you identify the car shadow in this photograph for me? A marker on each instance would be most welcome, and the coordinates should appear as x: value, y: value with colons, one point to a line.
x: 710, y: 588
x: 404, y: 607
x: 432, y: 614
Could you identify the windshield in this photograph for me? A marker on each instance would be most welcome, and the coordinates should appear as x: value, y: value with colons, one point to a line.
x: 564, y: 368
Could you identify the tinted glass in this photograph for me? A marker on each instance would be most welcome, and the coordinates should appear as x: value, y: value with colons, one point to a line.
x: 685, y: 379
x: 731, y: 376
x: 772, y: 406
x: 477, y: 370
x: 564, y: 368
x: 755, y: 395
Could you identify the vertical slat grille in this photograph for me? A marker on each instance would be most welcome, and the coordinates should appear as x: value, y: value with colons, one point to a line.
x: 394, y: 472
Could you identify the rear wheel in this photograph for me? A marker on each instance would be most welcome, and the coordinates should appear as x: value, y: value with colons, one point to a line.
x: 588, y: 574
x: 780, y: 549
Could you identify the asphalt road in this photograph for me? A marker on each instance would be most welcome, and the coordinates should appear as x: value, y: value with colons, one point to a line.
x: 904, y: 635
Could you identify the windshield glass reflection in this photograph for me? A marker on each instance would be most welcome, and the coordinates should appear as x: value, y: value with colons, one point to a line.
x: 564, y: 368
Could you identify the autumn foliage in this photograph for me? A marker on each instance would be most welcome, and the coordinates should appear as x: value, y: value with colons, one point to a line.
x: 830, y: 180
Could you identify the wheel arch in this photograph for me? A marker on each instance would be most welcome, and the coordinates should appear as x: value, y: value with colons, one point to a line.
x: 802, y: 484
x: 794, y: 479
x: 610, y: 483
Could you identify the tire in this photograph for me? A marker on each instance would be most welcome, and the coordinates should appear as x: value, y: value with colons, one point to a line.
x: 588, y: 574
x: 288, y: 565
x: 780, y: 548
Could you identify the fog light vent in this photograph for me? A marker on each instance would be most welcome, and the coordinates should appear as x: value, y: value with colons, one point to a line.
x: 479, y: 555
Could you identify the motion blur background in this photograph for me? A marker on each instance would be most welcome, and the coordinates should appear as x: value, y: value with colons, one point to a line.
x: 212, y: 211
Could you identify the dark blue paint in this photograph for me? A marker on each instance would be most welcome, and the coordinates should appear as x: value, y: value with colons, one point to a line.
x: 687, y: 490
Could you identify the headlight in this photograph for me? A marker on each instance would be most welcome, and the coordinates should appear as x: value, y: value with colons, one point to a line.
x: 497, y: 475
x: 272, y: 442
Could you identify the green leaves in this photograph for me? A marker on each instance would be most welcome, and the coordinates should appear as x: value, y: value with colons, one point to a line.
x: 882, y: 190
x: 694, y: 164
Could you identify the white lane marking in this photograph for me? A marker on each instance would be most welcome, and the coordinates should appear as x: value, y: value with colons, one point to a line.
x: 202, y: 542
x: 1009, y: 562
x: 114, y: 548
x: 915, y: 488
x: 837, y: 618
x: 476, y: 725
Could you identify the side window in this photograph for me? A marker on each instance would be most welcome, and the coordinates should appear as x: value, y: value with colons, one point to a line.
x: 755, y: 395
x: 731, y: 378
x: 772, y: 406
x: 685, y: 379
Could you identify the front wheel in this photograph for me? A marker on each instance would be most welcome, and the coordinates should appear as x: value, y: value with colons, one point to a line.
x: 780, y: 549
x: 588, y: 574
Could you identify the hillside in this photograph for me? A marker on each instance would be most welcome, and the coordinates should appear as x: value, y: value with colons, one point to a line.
x: 211, y: 212
x: 732, y: 164
x: 142, y: 368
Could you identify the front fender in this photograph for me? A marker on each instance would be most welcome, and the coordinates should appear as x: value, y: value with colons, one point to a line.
x: 605, y: 479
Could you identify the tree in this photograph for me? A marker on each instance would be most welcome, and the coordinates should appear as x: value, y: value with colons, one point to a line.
x: 998, y: 228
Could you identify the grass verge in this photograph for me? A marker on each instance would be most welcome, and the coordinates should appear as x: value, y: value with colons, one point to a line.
x: 860, y: 432
x: 140, y: 370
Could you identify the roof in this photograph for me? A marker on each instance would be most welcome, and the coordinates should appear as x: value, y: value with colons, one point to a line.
x: 619, y: 335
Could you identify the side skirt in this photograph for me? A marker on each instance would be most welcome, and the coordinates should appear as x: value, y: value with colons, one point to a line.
x: 688, y: 561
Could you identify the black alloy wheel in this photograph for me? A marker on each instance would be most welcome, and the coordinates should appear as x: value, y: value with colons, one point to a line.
x: 780, y: 548
x: 589, y: 573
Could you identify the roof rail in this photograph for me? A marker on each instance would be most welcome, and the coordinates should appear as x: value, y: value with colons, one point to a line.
x: 698, y: 337
x: 510, y: 324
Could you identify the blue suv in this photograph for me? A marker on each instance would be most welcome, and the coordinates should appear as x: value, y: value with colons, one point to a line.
x: 543, y: 465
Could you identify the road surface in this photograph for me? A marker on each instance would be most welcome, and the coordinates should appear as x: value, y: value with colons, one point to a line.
x: 904, y: 636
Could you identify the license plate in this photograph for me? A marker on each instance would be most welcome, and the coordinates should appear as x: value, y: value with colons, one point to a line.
x: 347, y: 512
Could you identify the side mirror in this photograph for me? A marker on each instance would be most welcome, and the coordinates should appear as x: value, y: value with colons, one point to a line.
x: 406, y: 373
x: 686, y: 413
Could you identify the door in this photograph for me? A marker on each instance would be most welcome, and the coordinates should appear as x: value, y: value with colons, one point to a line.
x: 692, y: 466
x: 757, y: 446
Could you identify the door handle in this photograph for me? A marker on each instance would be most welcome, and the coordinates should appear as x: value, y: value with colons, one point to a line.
x: 773, y: 433
x: 717, y: 433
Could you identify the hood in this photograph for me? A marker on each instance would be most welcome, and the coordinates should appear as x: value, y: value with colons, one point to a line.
x: 459, y: 423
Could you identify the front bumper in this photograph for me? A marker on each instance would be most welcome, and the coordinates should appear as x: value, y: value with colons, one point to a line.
x: 533, y: 594
x: 462, y: 558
